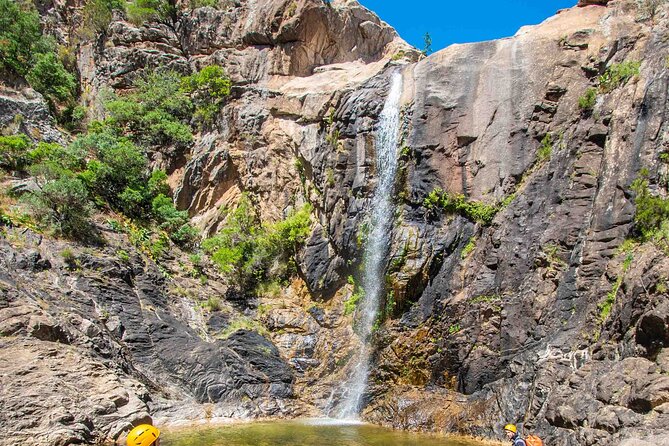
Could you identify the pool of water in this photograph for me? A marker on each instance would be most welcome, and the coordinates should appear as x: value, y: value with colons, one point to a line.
x: 303, y: 433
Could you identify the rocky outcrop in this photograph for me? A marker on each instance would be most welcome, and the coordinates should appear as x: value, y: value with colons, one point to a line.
x: 592, y: 2
x: 516, y: 321
x: 105, y: 339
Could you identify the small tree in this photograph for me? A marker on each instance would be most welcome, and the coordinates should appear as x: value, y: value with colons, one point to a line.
x: 20, y: 36
x: 427, y: 48
x: 97, y: 15
x: 208, y: 89
x: 49, y: 77
x: 14, y: 152
x: 141, y: 11
x: 63, y: 205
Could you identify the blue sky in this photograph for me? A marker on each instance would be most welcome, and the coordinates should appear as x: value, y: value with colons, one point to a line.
x: 458, y: 21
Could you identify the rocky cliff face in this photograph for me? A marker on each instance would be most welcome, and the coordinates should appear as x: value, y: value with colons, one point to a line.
x: 490, y: 321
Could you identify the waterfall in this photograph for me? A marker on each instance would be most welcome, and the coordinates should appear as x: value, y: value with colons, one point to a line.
x: 376, y: 249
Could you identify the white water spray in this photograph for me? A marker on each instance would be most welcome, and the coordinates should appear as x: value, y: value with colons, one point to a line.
x: 376, y: 249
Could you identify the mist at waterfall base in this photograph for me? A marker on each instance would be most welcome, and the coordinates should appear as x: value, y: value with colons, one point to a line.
x: 304, y: 433
x: 376, y: 248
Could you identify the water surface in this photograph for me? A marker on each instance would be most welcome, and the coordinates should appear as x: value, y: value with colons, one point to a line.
x: 304, y: 433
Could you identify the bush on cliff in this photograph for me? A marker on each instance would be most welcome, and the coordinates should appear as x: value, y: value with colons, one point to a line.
x: 439, y: 200
x: 61, y: 201
x: 208, y: 89
x: 20, y: 36
x: 618, y: 74
x: 142, y: 11
x: 26, y: 52
x: 252, y: 253
x: 652, y: 212
x: 104, y: 169
x: 96, y: 16
x: 49, y: 77
x: 14, y: 152
x: 156, y: 113
x: 164, y: 103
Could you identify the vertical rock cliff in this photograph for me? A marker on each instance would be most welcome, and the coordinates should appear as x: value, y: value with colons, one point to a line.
x: 518, y: 286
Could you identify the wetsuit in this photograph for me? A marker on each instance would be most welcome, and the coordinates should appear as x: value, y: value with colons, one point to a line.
x: 517, y: 441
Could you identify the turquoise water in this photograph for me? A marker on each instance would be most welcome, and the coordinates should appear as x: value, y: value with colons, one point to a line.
x: 303, y: 433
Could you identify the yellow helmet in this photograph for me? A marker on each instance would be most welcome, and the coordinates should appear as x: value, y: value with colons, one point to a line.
x: 511, y: 427
x: 142, y: 435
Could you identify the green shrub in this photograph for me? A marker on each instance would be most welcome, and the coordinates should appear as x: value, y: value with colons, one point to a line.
x: 142, y: 11
x: 477, y: 211
x: 70, y: 259
x: 173, y: 221
x: 243, y: 323
x: 97, y: 15
x: 123, y: 255
x: 252, y: 253
x: 652, y: 211
x: 14, y: 152
x: 618, y: 74
x: 546, y: 148
x: 194, y: 4
x: 469, y: 248
x: 158, y: 246
x: 213, y: 304
x: 587, y: 102
x: 119, y: 167
x: 208, y: 89
x: 352, y: 302
x: 63, y: 205
x: 20, y: 36
x: 26, y: 52
x: 156, y: 113
x: 49, y: 77
x: 398, y: 55
x: 52, y: 161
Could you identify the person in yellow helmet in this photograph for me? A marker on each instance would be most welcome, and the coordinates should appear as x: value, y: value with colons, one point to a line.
x: 143, y: 435
x: 511, y: 432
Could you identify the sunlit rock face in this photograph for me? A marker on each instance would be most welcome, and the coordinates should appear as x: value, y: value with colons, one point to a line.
x: 531, y: 315
x: 593, y: 2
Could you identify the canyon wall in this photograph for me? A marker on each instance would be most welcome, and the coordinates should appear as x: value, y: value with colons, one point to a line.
x: 487, y: 320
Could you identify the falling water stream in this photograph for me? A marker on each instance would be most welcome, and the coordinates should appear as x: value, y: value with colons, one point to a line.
x: 376, y: 249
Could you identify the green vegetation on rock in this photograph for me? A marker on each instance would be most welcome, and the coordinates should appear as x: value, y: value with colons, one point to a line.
x: 14, y: 152
x: 618, y: 74
x: 606, y: 306
x: 439, y: 200
x: 96, y: 16
x: 652, y: 213
x: 141, y: 11
x: 208, y: 89
x: 546, y: 148
x: 587, y: 102
x: 99, y: 169
x: 469, y: 247
x: 251, y: 253
x: 26, y: 52
x: 20, y: 36
x: 159, y: 112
